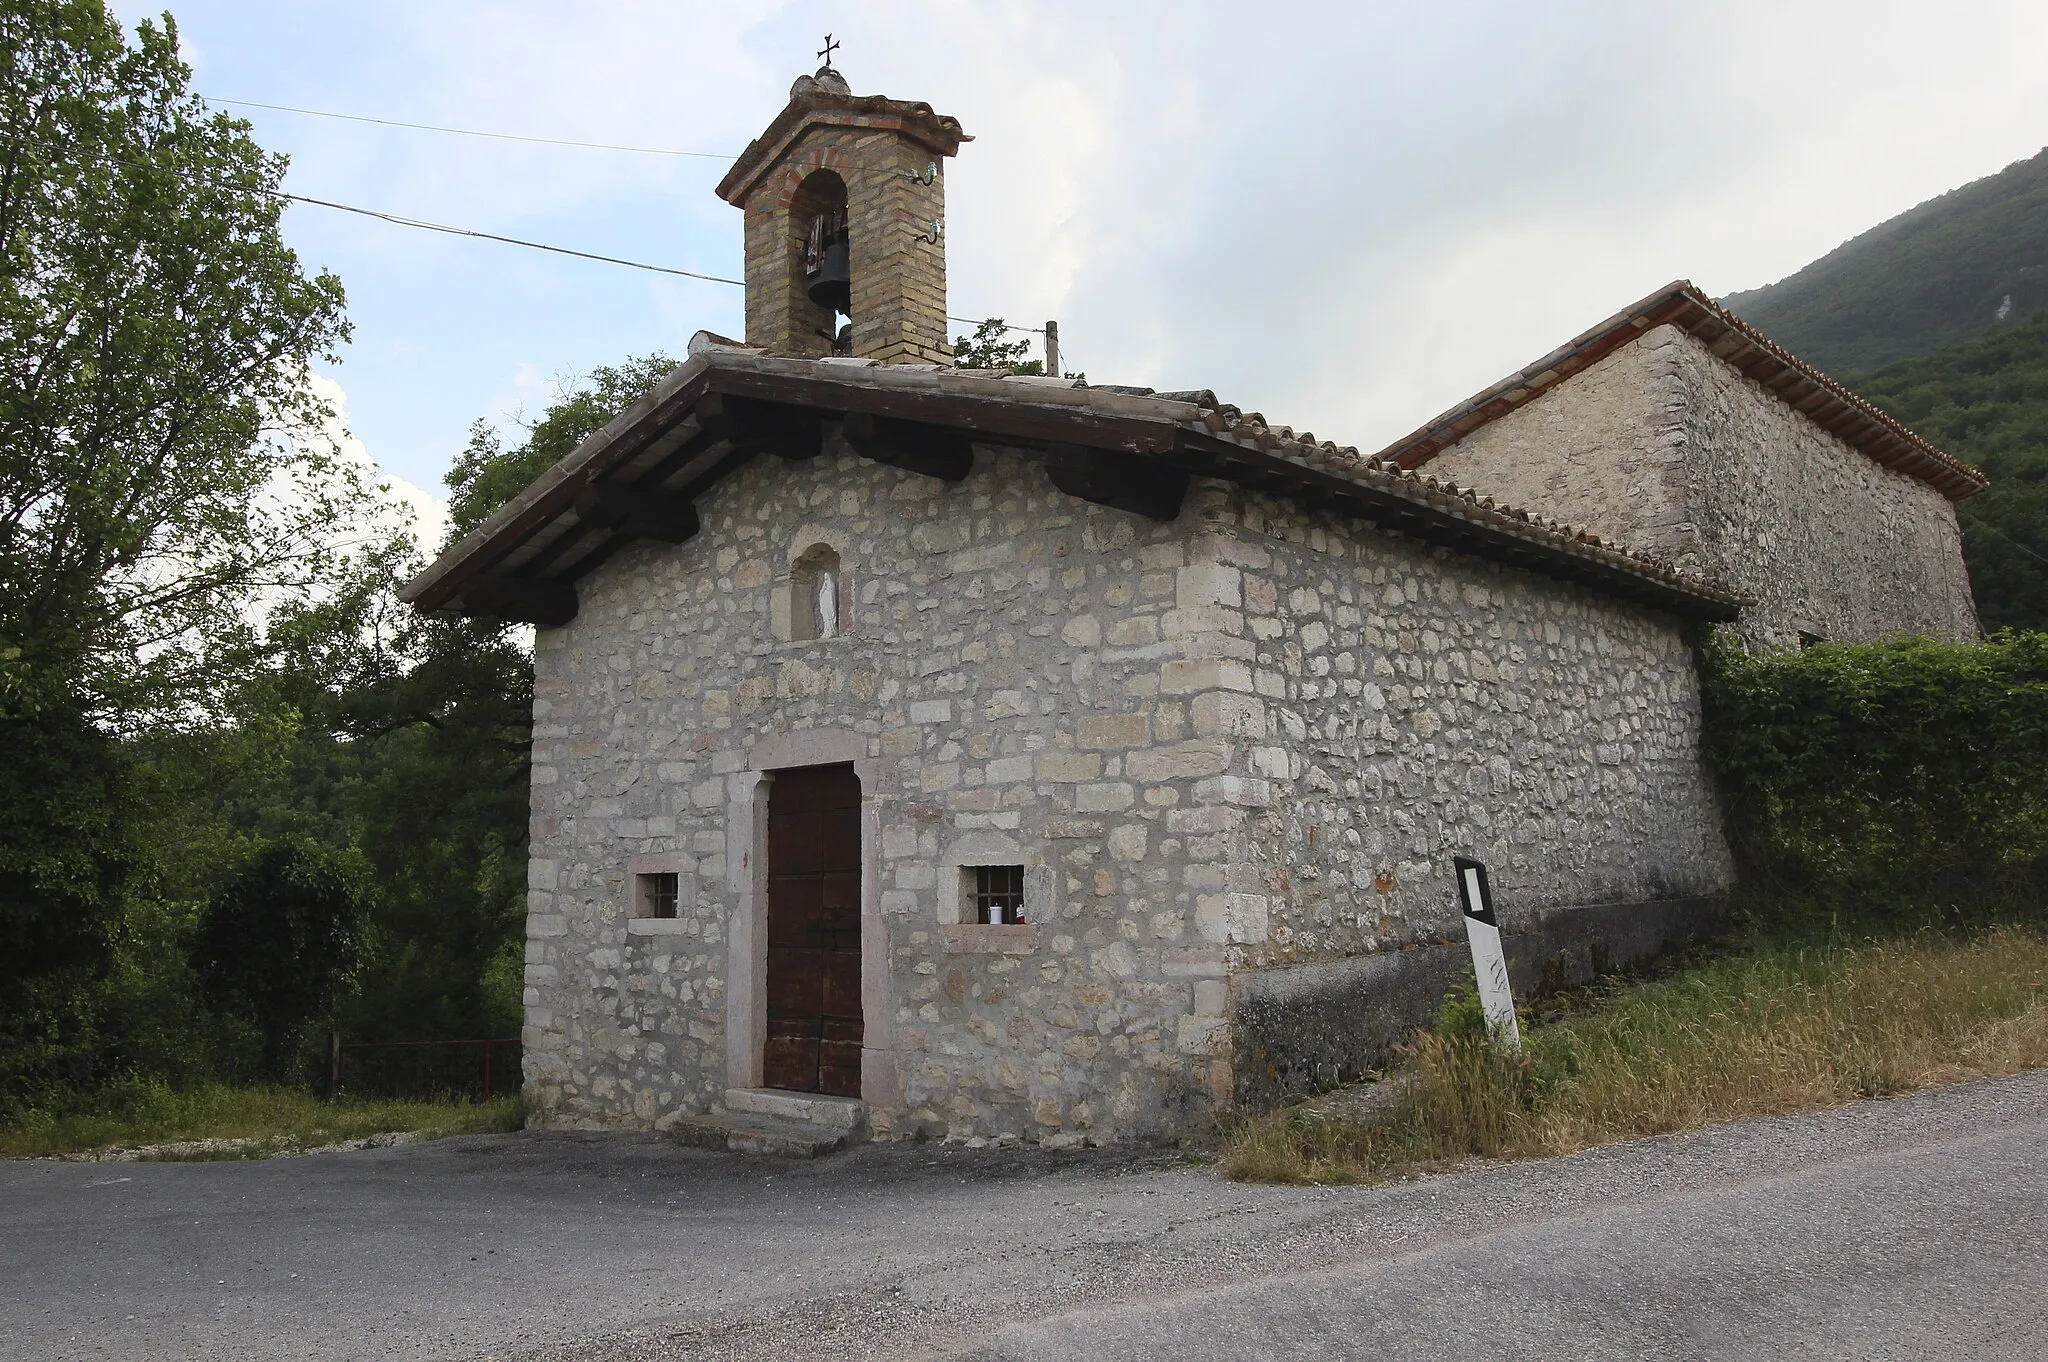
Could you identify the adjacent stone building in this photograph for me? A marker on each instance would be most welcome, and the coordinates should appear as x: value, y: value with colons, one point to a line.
x: 1675, y: 427
x: 924, y: 750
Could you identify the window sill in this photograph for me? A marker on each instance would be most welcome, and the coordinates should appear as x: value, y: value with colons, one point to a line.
x: 656, y: 926
x: 984, y: 938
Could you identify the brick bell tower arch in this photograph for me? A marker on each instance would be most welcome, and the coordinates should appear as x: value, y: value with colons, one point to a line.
x: 870, y: 168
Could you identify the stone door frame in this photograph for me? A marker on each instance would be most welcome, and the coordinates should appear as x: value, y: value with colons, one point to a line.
x: 746, y: 859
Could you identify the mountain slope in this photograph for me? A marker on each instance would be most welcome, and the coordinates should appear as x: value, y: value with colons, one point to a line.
x: 1986, y: 401
x: 1932, y: 277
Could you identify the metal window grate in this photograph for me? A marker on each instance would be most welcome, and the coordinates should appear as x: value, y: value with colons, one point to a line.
x: 998, y: 893
x: 658, y: 895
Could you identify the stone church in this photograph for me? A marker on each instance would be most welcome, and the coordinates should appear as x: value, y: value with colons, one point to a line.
x: 928, y: 751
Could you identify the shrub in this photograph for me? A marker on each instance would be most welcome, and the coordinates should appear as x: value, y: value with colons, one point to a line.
x: 1886, y: 777
x: 69, y: 854
x: 282, y: 942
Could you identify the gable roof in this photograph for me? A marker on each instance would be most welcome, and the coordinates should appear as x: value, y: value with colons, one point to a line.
x: 1856, y: 421
x: 1128, y: 447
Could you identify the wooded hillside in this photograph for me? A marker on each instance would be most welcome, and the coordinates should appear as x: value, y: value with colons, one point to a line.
x: 1932, y: 277
x: 1986, y: 401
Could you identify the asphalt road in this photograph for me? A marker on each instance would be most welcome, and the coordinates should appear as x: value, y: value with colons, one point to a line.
x: 1916, y: 1227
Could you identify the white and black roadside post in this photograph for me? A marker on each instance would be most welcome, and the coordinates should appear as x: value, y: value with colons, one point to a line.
x: 1489, y: 964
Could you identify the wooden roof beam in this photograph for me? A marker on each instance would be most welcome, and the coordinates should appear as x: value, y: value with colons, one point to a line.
x: 788, y: 432
x: 638, y: 512
x: 523, y: 599
x: 1111, y: 477
x: 909, y: 445
x: 1020, y: 424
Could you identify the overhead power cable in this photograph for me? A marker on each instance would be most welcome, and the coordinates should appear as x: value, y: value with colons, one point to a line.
x: 507, y: 240
x: 1997, y: 533
x: 425, y: 226
x: 469, y: 132
x: 983, y: 321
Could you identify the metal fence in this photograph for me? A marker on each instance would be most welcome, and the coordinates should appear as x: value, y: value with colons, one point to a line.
x: 422, y: 1068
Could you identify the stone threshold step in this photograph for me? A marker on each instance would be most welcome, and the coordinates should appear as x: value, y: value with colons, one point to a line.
x: 844, y: 1114
x: 750, y: 1133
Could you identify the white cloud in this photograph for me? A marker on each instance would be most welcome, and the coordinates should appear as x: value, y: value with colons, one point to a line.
x: 405, y: 504
x: 1348, y: 215
x: 530, y: 393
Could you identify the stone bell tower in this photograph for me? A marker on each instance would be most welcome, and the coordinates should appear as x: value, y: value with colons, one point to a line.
x: 846, y: 203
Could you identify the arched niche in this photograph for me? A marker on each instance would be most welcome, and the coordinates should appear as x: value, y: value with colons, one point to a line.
x: 817, y: 594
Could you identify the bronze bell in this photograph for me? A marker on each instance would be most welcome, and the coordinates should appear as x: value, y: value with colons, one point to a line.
x: 832, y: 284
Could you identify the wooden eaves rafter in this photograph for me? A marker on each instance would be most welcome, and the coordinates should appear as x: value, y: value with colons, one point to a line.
x: 641, y: 477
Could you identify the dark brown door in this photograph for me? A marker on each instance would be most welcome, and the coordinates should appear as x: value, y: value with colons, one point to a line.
x: 814, y: 1025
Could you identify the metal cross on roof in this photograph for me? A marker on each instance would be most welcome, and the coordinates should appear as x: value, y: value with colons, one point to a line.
x: 830, y: 47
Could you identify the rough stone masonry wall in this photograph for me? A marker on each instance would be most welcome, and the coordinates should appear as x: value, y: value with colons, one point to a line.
x: 1666, y: 447
x: 1238, y: 742
x: 1405, y: 706
x: 1604, y: 451
x: 1828, y: 541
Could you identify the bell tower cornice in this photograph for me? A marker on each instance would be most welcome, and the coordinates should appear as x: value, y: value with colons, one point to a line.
x: 823, y: 101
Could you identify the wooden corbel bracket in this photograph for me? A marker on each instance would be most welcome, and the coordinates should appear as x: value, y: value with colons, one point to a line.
x: 917, y: 448
x: 523, y: 599
x: 1111, y: 477
x: 639, y: 513
x: 786, y: 432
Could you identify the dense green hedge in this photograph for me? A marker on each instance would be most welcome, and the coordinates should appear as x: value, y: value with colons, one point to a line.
x: 1900, y: 775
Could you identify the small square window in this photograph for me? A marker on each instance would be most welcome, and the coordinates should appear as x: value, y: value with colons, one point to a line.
x: 998, y: 894
x: 658, y: 895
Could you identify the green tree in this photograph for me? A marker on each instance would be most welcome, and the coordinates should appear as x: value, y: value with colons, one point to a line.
x: 409, y: 737
x: 69, y: 842
x: 420, y: 750
x: 987, y: 349
x: 161, y: 466
x: 284, y: 940
x: 441, y: 724
x: 486, y: 475
x: 159, y: 458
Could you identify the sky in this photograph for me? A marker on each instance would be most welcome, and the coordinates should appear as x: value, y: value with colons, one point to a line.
x: 1346, y: 216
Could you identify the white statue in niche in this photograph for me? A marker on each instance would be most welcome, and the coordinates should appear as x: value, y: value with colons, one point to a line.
x: 814, y: 594
x: 827, y: 604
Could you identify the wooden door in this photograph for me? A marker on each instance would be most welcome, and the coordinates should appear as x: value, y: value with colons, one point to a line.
x: 814, y: 1019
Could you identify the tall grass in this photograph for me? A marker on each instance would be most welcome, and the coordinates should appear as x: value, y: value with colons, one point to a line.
x: 262, y: 1120
x: 1785, y: 1027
